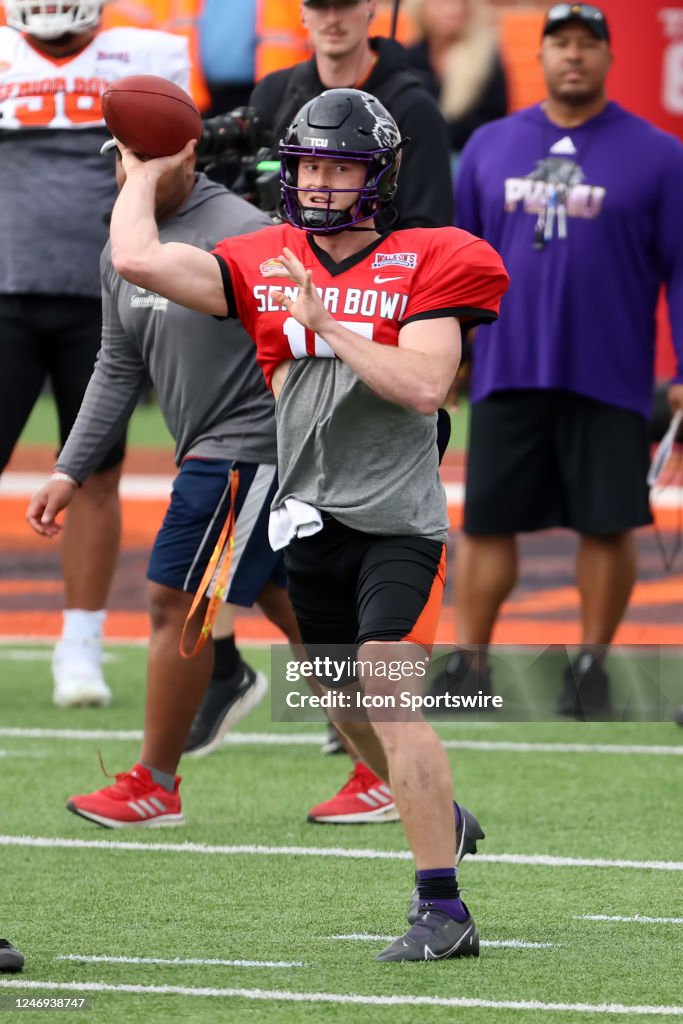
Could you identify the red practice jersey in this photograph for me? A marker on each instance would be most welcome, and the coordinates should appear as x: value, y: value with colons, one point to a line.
x: 418, y: 273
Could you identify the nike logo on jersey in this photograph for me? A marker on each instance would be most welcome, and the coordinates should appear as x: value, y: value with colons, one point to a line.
x: 383, y: 280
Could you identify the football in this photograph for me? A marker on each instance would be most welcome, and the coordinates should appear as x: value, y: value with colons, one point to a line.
x: 150, y: 115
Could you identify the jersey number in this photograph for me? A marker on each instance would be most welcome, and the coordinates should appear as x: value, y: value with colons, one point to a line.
x: 39, y: 111
x: 303, y: 342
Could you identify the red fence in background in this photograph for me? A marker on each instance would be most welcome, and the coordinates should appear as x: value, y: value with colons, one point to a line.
x: 647, y: 77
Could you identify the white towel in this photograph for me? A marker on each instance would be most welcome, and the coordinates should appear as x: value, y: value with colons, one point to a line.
x: 293, y: 519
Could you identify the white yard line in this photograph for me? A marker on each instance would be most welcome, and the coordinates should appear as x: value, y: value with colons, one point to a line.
x: 353, y: 999
x: 178, y: 961
x: 24, y: 754
x: 133, y: 485
x: 149, y: 485
x: 111, y: 641
x: 71, y: 734
x: 490, y: 943
x: 43, y: 654
x: 636, y: 919
x: 314, y: 739
x: 531, y: 860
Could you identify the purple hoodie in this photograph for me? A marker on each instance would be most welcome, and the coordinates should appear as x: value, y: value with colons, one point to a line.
x: 604, y: 204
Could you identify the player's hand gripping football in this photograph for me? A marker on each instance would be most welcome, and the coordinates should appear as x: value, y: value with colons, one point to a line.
x: 155, y: 166
x: 307, y: 307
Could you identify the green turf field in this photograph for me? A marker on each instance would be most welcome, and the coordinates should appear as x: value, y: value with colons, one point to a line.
x: 255, y: 886
x: 147, y: 428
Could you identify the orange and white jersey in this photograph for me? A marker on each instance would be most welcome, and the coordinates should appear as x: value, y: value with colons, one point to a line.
x: 39, y: 91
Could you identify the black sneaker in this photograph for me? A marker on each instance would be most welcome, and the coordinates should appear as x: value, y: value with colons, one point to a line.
x: 11, y: 960
x: 225, y: 703
x: 585, y: 692
x: 469, y: 833
x: 332, y: 744
x: 434, y: 936
x: 460, y: 677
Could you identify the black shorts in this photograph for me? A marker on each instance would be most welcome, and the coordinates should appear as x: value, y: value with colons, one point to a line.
x: 47, y: 337
x: 545, y: 458
x: 349, y: 587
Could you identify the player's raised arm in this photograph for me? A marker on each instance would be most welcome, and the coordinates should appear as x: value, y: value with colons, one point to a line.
x: 183, y: 273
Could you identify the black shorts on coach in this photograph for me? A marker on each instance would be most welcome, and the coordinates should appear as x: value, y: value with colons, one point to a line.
x: 547, y: 458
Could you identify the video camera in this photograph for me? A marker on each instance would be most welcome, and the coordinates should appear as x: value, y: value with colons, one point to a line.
x: 240, y: 144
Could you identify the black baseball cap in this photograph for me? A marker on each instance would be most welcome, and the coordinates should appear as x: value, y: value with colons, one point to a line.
x: 590, y: 16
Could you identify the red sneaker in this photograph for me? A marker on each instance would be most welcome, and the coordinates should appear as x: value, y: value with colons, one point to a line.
x: 134, y: 800
x: 363, y: 800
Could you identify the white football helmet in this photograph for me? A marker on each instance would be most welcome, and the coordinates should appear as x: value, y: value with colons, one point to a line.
x: 49, y: 19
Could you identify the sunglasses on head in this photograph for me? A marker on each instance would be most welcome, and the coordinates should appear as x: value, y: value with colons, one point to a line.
x: 587, y: 13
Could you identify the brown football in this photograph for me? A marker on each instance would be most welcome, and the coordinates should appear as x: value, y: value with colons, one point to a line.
x: 150, y: 115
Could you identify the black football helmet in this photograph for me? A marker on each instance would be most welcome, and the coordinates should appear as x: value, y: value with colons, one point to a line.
x: 345, y: 124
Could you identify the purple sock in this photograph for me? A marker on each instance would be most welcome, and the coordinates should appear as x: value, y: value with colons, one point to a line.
x: 438, y: 890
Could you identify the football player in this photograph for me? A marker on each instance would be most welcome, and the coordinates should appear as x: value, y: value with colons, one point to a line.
x: 358, y: 336
x: 55, y: 192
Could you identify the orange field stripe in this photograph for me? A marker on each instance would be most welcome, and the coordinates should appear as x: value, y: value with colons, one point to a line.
x: 255, y: 629
x: 142, y: 518
x: 649, y: 594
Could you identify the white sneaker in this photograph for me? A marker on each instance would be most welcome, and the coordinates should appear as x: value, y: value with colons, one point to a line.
x: 77, y: 675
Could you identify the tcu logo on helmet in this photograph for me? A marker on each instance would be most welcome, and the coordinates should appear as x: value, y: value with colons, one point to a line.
x: 384, y: 129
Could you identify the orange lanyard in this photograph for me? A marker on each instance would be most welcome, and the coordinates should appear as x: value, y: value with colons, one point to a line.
x: 223, y: 549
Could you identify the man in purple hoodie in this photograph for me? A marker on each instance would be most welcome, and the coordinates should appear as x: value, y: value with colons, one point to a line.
x: 584, y: 202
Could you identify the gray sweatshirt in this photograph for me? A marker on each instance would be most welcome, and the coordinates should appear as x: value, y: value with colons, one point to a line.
x: 211, y: 392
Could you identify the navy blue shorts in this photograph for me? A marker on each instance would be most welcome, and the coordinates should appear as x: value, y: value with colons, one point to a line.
x: 199, y: 505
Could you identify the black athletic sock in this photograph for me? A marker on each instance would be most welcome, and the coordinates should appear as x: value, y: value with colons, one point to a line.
x: 226, y: 658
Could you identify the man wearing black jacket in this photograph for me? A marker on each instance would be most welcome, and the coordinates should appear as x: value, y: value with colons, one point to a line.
x: 345, y: 56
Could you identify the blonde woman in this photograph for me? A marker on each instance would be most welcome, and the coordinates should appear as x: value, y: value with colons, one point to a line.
x: 458, y: 56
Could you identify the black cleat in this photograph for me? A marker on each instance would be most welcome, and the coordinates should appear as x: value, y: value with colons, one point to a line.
x: 11, y: 960
x: 459, y: 677
x: 585, y: 692
x: 679, y: 716
x: 333, y: 743
x: 434, y: 936
x: 469, y: 833
x: 225, y: 703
